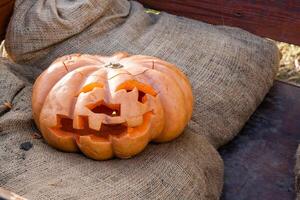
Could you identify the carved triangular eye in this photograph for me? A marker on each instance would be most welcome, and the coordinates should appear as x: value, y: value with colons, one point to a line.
x: 131, y: 84
x: 89, y: 87
x: 141, y: 87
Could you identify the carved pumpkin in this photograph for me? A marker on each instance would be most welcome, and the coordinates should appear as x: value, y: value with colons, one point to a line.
x: 110, y: 106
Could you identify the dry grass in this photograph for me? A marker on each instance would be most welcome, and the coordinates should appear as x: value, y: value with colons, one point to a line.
x: 289, y: 69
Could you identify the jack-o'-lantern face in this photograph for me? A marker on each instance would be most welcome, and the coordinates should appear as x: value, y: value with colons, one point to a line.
x: 109, y: 106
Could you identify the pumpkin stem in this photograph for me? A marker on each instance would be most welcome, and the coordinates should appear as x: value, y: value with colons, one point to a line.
x: 114, y: 65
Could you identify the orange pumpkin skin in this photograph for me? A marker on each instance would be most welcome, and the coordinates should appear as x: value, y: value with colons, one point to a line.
x: 110, y: 106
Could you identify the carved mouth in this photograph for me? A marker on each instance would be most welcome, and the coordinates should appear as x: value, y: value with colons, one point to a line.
x: 105, y: 130
x: 101, y: 126
x: 65, y: 127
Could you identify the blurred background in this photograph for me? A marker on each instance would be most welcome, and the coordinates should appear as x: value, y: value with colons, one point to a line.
x: 289, y: 69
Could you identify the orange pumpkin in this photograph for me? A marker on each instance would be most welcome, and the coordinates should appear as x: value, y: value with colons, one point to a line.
x: 110, y: 106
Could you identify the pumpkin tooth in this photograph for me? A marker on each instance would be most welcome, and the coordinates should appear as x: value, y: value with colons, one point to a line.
x: 95, y: 121
x: 78, y: 122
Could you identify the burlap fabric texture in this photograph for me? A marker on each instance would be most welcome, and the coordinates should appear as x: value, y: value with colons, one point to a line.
x: 297, y: 174
x: 230, y: 71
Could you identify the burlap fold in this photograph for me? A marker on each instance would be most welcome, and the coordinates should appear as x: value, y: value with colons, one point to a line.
x: 230, y: 71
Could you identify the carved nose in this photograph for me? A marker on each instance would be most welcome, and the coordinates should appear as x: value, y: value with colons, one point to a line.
x: 112, y: 110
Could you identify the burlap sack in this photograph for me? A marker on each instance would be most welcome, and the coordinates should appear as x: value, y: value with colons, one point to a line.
x: 230, y: 70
